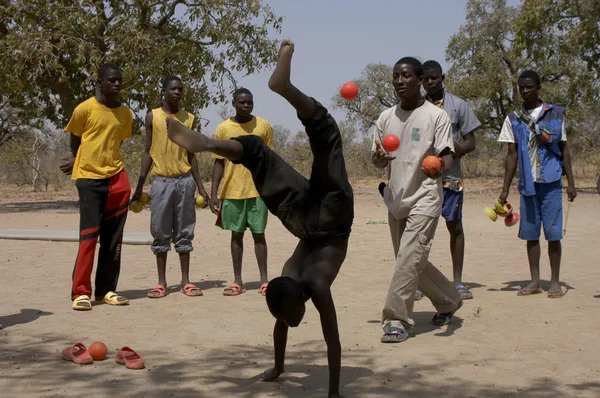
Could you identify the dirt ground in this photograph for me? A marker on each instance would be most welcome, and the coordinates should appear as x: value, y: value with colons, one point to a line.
x: 498, y: 345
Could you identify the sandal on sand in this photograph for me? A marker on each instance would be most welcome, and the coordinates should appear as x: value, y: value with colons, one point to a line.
x: 78, y: 354
x: 394, y: 335
x: 442, y: 319
x: 131, y: 359
x: 82, y: 303
x: 528, y: 291
x: 233, y: 290
x: 555, y: 293
x: 192, y: 290
x: 263, y: 289
x: 113, y: 298
x: 465, y: 293
x: 158, y: 291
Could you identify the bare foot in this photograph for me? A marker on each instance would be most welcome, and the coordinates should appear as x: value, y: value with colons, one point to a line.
x: 280, y: 79
x: 271, y: 374
x: 187, y: 138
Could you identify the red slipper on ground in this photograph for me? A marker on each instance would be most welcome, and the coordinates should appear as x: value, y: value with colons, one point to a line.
x: 78, y: 354
x: 131, y: 359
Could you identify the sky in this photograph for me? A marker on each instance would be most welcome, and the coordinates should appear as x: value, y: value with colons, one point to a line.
x: 335, y: 40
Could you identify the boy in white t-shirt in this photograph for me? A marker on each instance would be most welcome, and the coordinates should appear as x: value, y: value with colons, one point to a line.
x: 414, y: 200
x: 537, y: 141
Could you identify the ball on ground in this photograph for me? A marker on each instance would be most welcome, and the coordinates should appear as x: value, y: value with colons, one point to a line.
x: 200, y: 202
x: 390, y: 142
x: 98, y: 350
x: 349, y: 91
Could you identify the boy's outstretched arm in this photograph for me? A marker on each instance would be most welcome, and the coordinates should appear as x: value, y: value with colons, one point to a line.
x: 280, y: 333
x: 281, y: 84
x: 323, y: 301
x: 510, y: 167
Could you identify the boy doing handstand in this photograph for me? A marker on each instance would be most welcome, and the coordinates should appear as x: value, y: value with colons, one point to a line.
x: 319, y: 211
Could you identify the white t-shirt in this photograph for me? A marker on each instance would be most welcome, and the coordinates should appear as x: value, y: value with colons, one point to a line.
x: 508, y: 135
x: 424, y: 131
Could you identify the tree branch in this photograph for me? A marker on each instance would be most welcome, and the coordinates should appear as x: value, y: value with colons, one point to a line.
x: 169, y: 13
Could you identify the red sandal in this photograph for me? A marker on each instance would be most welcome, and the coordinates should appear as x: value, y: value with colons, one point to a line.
x: 234, y: 290
x: 78, y: 354
x: 131, y: 359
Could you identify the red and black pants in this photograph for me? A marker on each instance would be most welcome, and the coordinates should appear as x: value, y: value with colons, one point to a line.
x: 103, y: 206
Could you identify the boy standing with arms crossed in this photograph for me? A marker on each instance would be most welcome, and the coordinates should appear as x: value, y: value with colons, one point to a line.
x: 240, y: 205
x: 537, y: 142
x: 176, y: 179
x: 97, y: 128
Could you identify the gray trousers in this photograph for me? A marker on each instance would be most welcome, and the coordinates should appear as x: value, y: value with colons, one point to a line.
x: 173, y: 213
x: 412, y: 238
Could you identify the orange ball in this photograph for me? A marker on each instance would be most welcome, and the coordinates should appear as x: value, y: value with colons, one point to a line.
x: 349, y: 91
x: 390, y: 142
x: 432, y: 165
x: 98, y: 350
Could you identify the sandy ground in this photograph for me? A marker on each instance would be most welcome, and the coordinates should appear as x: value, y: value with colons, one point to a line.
x: 498, y: 345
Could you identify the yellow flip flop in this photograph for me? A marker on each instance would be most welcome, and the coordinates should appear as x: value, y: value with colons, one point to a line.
x: 82, y: 303
x: 112, y: 298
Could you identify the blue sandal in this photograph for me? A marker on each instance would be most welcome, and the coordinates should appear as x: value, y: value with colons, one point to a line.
x: 465, y: 293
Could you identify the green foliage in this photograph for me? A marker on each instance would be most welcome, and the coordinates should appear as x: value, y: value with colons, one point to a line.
x: 573, y: 27
x: 51, y: 50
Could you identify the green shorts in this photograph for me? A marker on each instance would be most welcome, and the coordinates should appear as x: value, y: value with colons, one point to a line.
x: 239, y: 214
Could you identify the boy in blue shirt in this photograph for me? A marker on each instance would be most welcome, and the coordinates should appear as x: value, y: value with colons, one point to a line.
x: 537, y: 141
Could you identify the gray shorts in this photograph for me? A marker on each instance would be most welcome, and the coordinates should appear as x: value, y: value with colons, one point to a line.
x: 173, y: 213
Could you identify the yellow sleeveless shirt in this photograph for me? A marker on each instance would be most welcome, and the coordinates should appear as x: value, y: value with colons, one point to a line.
x: 169, y: 159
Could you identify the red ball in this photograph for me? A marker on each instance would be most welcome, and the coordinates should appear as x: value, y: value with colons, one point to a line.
x: 349, y: 91
x: 432, y: 165
x: 98, y: 350
x: 391, y: 142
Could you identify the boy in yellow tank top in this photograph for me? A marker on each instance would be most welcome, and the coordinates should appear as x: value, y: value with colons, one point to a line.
x: 97, y: 128
x: 239, y: 207
x: 176, y: 178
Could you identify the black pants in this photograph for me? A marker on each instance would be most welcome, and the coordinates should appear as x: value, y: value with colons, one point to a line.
x: 103, y: 212
x: 322, y: 206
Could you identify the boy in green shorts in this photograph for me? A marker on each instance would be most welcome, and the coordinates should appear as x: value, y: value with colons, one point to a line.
x: 239, y: 206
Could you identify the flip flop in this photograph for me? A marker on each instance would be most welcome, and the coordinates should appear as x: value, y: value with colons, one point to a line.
x: 233, y: 290
x: 555, y: 293
x: 78, y: 354
x: 529, y: 292
x: 189, y: 289
x: 418, y: 295
x: 82, y: 303
x: 112, y: 298
x: 395, y: 335
x: 131, y: 359
x: 444, y: 318
x: 263, y: 289
x: 465, y: 293
x: 158, y: 291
